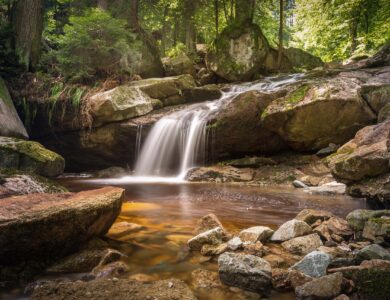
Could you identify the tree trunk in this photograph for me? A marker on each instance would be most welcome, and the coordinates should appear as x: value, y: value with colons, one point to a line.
x: 190, y: 27
x: 244, y: 10
x: 216, y: 12
x: 225, y: 11
x: 281, y: 22
x: 28, y: 26
x: 102, y: 4
x: 164, y: 30
x: 134, y: 21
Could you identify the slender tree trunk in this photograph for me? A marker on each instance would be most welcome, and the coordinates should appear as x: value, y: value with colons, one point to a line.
x: 190, y: 27
x: 102, y: 4
x: 28, y: 27
x: 134, y: 8
x: 164, y: 30
x: 281, y: 22
x: 231, y: 10
x: 216, y: 12
x: 244, y: 10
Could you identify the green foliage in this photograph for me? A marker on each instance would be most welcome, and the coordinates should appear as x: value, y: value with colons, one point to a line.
x: 176, y: 50
x: 95, y: 45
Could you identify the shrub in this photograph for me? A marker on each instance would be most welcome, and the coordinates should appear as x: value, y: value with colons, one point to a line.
x: 95, y: 45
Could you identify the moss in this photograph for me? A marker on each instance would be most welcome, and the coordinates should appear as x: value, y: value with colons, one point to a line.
x: 297, y: 95
x: 373, y: 283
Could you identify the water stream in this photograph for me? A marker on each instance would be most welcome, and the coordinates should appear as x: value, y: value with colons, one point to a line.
x: 178, y: 142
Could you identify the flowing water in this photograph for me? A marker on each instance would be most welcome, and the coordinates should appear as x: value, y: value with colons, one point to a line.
x: 179, y: 141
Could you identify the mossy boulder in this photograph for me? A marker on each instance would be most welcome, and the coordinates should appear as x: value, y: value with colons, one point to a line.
x: 376, y: 95
x: 237, y: 128
x: 301, y: 59
x: 179, y: 65
x: 315, y: 114
x: 367, y: 155
x: 121, y: 103
x: 30, y: 156
x: 239, y: 52
x: 10, y: 123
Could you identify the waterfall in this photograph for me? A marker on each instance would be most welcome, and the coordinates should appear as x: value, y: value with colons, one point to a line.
x: 178, y: 142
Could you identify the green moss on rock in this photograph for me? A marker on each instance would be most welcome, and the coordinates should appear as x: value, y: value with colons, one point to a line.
x: 297, y: 95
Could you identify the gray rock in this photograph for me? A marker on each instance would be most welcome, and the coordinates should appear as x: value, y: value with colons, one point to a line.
x: 373, y: 252
x: 357, y: 218
x: 211, y: 237
x: 332, y: 148
x: 313, y: 264
x: 235, y: 243
x: 248, y: 272
x: 330, y: 188
x: 377, y: 229
x: 311, y: 215
x: 303, y: 245
x: 291, y: 229
x: 299, y: 184
x: 257, y: 233
x: 326, y: 287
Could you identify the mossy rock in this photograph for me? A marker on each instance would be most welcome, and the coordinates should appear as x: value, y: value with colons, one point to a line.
x: 373, y: 283
x: 30, y: 156
x: 239, y: 52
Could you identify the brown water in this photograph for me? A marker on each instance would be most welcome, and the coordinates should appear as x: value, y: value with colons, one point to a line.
x: 169, y: 211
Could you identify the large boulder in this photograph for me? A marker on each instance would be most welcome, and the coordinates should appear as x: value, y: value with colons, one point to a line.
x: 313, y: 115
x: 107, y: 289
x: 313, y: 264
x: 358, y: 218
x: 301, y: 59
x: 239, y: 52
x: 238, y: 120
x: 30, y: 156
x: 179, y: 65
x: 367, y: 155
x: 10, y: 123
x: 245, y: 271
x: 41, y: 226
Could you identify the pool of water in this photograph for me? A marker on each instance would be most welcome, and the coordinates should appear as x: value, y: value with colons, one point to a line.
x: 169, y: 211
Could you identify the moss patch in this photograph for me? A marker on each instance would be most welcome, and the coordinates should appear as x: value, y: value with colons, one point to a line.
x: 297, y: 95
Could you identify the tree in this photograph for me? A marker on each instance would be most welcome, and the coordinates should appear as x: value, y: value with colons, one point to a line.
x: 28, y: 27
x: 244, y: 10
x: 189, y: 10
x: 281, y: 22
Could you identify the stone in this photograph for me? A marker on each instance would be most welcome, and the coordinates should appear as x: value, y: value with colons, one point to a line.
x: 339, y: 226
x: 301, y: 59
x: 219, y: 174
x: 297, y: 278
x: 326, y: 287
x: 111, y: 172
x: 373, y: 252
x: 201, y: 94
x: 239, y: 52
x: 118, y: 104
x: 291, y: 229
x: 121, y: 229
x: 313, y: 264
x: 30, y: 156
x: 207, y: 223
x: 205, y: 279
x: 332, y: 148
x: 384, y: 113
x: 312, y: 215
x: 377, y: 228
x: 330, y: 188
x: 342, y: 297
x: 110, y: 270
x: 42, y: 226
x: 10, y: 123
x: 179, y: 65
x: 213, y: 250
x: 251, y: 162
x: 106, y: 289
x: 234, y: 244
x: 257, y: 233
x: 211, y: 237
x: 358, y: 218
x: 367, y: 155
x: 311, y: 116
x: 303, y: 245
x: 333, y: 252
x: 244, y: 271
x: 299, y: 184
x: 256, y: 249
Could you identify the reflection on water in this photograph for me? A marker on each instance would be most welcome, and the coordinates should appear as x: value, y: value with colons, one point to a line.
x: 168, y: 213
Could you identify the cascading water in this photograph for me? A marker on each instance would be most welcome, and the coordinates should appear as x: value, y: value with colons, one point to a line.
x: 178, y: 141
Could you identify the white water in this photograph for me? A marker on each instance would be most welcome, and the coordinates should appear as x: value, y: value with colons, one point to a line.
x: 178, y: 142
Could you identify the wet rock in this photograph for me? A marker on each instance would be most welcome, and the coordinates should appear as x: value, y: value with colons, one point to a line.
x: 299, y: 184
x: 377, y: 229
x: 10, y: 123
x: 373, y: 252
x: 367, y: 155
x: 106, y: 289
x: 30, y: 156
x: 211, y: 237
x: 235, y: 243
x: 313, y: 264
x: 220, y: 174
x: 207, y: 223
x: 358, y: 218
x: 212, y: 250
x: 330, y: 188
x: 257, y: 233
x: 245, y: 271
x: 121, y: 229
x: 41, y: 226
x: 179, y: 65
x: 111, y: 172
x: 251, y: 162
x: 338, y: 226
x: 291, y: 229
x: 201, y: 94
x: 303, y: 245
x: 114, y: 269
x: 312, y: 215
x: 326, y: 287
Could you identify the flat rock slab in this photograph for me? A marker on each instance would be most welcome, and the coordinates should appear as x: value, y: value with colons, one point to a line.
x: 105, y: 289
x: 39, y: 226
